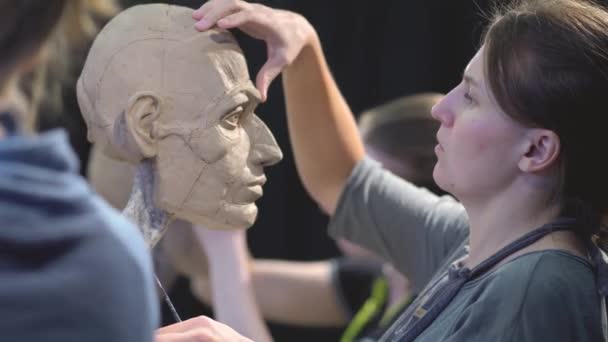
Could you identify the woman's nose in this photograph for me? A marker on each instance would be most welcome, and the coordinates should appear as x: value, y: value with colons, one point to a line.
x: 442, y: 112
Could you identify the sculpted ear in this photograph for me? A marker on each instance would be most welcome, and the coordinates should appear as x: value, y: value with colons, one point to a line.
x: 142, y: 110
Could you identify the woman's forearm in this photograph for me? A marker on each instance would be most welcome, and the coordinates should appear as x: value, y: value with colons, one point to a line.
x: 233, y: 295
x: 323, y: 131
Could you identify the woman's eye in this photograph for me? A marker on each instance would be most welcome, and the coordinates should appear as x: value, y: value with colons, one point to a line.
x: 466, y: 94
x: 231, y: 120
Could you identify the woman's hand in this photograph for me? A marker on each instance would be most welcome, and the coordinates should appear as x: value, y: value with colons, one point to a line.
x: 198, y: 329
x: 285, y: 33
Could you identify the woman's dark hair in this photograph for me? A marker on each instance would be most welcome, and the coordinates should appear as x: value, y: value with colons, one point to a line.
x: 24, y: 27
x: 547, y: 66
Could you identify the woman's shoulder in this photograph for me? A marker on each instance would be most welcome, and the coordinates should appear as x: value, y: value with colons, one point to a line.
x: 543, y: 280
x: 554, y: 264
x: 542, y: 295
x: 540, y: 278
x: 558, y: 292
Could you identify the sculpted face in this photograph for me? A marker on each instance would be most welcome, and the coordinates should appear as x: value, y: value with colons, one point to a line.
x: 154, y: 87
x: 213, y: 174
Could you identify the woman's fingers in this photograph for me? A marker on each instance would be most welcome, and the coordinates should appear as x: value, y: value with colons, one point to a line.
x: 188, y: 325
x: 211, y: 18
x: 198, y: 329
x: 189, y: 336
x: 254, y: 21
x: 284, y: 32
x: 214, y: 10
x: 269, y: 71
x: 234, y: 20
x: 199, y: 13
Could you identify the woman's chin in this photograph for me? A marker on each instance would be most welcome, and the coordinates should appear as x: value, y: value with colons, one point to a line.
x: 440, y: 179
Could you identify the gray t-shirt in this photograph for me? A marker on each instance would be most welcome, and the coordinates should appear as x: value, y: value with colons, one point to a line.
x: 529, y: 298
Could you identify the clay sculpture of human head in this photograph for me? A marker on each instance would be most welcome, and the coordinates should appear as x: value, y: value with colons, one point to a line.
x: 155, y: 88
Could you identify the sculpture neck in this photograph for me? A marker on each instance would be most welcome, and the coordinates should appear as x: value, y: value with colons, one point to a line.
x: 151, y: 221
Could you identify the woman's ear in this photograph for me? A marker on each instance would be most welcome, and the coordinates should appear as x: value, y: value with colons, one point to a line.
x: 542, y: 152
x: 142, y: 110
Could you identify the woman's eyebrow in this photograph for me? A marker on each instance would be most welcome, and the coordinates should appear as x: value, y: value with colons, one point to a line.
x: 470, y: 80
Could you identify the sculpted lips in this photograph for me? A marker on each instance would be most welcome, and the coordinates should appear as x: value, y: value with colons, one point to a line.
x: 251, y: 192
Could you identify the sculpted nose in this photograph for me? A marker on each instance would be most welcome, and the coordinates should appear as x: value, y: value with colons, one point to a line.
x: 264, y: 150
x: 266, y: 155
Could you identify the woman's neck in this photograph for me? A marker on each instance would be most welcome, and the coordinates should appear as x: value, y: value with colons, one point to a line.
x: 140, y: 209
x: 496, y: 222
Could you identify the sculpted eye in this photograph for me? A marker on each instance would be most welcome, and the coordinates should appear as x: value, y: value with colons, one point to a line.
x: 231, y: 120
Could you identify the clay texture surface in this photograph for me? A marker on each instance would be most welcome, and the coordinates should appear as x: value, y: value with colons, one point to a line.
x: 154, y: 89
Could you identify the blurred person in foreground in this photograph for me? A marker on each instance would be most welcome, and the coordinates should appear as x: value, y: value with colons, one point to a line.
x: 71, y: 268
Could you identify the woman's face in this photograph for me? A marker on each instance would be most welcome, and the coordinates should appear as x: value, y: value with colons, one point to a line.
x: 479, y: 146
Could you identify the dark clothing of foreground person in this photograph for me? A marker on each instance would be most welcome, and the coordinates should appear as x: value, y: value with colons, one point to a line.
x: 71, y: 268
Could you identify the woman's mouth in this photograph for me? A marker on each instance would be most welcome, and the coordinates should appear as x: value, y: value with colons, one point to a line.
x: 439, y: 149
